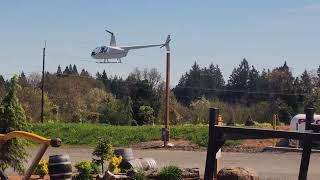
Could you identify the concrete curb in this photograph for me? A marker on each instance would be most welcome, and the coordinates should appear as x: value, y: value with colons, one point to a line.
x: 286, y: 149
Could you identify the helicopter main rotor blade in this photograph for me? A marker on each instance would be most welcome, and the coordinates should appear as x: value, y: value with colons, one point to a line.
x: 109, y: 32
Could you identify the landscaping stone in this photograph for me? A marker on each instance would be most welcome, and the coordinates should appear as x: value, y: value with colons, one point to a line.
x: 237, y: 173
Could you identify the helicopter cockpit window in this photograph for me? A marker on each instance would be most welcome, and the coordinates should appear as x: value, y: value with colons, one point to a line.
x: 103, y: 49
x: 96, y: 51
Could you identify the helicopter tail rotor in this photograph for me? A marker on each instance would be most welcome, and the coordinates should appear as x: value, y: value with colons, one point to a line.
x: 166, y: 44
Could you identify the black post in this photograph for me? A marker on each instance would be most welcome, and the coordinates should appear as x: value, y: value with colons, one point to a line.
x: 42, y: 87
x: 309, y: 117
x: 211, y: 156
x: 307, y: 145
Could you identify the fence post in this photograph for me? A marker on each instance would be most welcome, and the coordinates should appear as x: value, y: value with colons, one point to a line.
x: 274, y: 125
x: 307, y: 145
x: 211, y: 156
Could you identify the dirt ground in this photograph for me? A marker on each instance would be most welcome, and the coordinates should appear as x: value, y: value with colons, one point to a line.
x: 248, y: 145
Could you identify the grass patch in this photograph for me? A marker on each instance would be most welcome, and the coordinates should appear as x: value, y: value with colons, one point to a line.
x: 120, y: 136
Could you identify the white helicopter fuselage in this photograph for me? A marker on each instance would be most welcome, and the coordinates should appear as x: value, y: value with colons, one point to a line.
x: 108, y: 52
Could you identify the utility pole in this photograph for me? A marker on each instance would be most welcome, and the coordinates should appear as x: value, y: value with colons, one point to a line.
x: 166, y: 130
x: 42, y: 88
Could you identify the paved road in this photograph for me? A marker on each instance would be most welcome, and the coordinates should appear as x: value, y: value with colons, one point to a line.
x: 268, y: 165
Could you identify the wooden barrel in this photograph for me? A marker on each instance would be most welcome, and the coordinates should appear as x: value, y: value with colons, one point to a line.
x: 126, y: 154
x: 60, y: 167
x: 143, y: 164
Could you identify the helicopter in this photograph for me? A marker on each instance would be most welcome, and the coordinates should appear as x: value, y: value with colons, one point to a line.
x: 113, y: 51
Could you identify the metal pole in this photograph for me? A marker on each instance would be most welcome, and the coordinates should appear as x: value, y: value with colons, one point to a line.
x: 167, y: 101
x: 42, y: 88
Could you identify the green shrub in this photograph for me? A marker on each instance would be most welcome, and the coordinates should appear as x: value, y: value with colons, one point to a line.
x: 170, y: 173
x: 86, y: 169
x: 103, y: 151
x: 139, y: 175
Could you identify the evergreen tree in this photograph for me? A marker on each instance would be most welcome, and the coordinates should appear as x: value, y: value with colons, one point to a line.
x: 105, y: 80
x: 239, y: 77
x: 12, y: 118
x: 23, y: 80
x: 84, y: 73
x: 318, y: 73
x: 66, y: 71
x: 199, y: 82
x: 189, y: 88
x: 215, y: 77
x: 238, y: 83
x: 212, y: 79
x: 253, y: 79
x: 59, y: 72
x: 281, y: 79
x: 296, y: 85
x: 103, y: 151
x: 98, y: 75
x: 70, y: 69
x: 305, y: 83
x: 2, y: 87
x: 75, y: 70
x: 262, y: 83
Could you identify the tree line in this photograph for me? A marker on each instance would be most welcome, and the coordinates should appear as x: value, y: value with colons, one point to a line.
x: 78, y: 96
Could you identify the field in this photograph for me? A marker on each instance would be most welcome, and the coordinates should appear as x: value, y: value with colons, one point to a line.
x: 87, y: 134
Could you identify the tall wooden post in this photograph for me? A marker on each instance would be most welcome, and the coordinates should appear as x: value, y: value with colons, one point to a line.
x: 42, y: 86
x: 167, y: 102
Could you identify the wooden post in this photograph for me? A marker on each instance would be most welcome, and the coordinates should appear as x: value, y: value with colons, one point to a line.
x: 307, y: 145
x: 167, y: 101
x: 42, y: 85
x: 218, y: 157
x: 35, y: 161
x: 274, y: 125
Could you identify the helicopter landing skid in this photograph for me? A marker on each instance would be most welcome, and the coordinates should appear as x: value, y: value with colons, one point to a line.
x: 107, y: 61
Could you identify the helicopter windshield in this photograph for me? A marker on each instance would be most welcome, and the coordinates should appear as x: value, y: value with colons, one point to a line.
x: 97, y: 50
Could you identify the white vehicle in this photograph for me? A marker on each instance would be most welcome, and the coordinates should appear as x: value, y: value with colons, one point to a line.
x: 298, y: 123
x: 113, y: 51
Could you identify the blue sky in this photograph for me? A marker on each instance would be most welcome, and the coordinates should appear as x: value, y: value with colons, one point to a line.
x: 222, y: 32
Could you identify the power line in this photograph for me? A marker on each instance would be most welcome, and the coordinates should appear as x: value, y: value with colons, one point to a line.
x: 241, y: 91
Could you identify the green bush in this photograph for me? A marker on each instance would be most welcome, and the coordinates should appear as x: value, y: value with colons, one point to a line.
x: 103, y: 150
x: 170, y: 173
x: 136, y: 174
x: 86, y: 169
